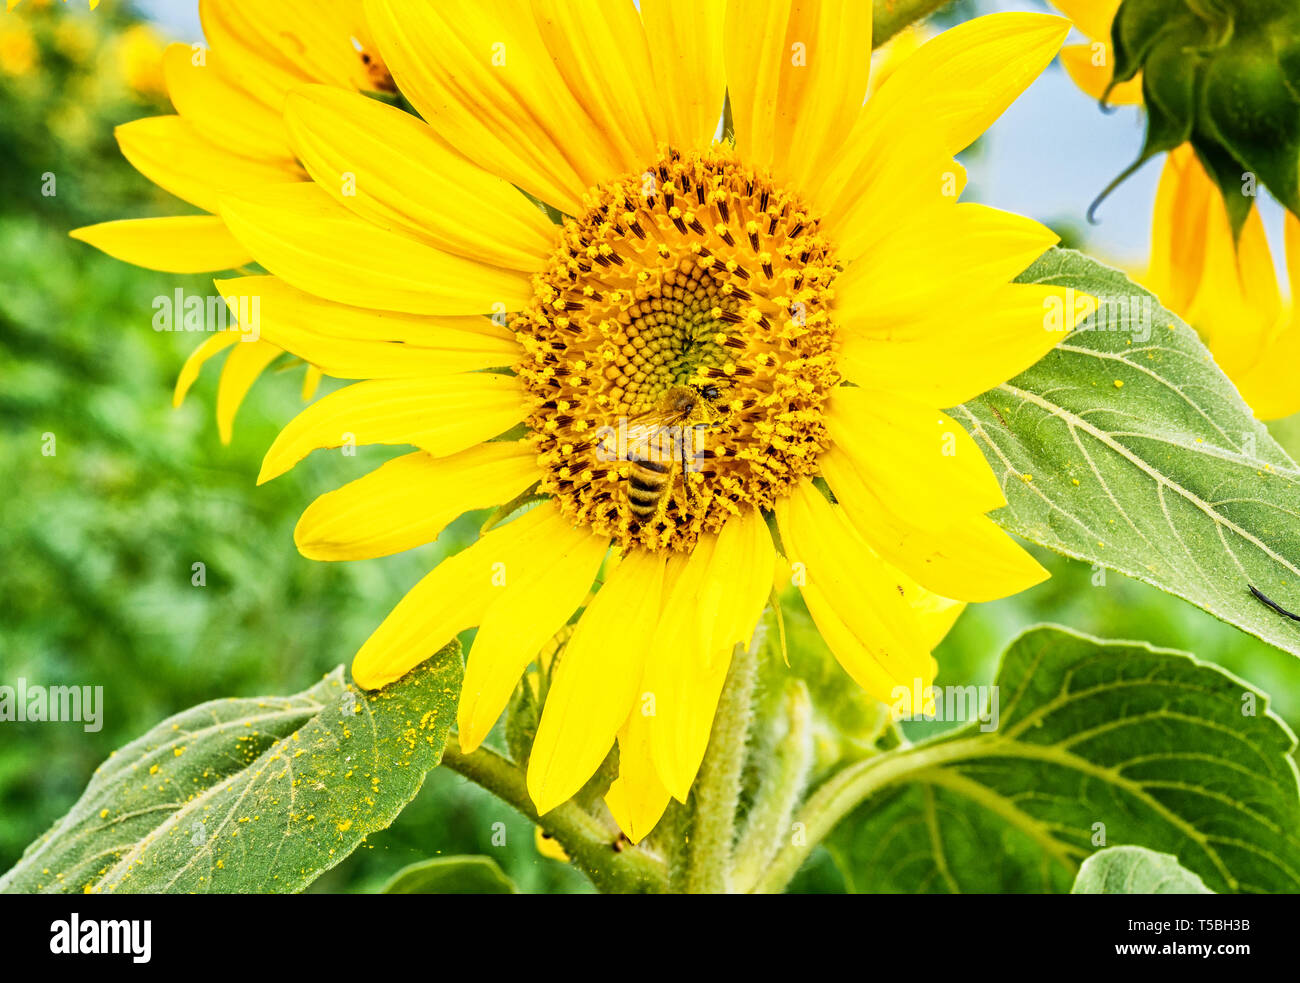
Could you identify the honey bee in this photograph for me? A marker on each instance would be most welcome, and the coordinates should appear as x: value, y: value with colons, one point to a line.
x: 654, y: 445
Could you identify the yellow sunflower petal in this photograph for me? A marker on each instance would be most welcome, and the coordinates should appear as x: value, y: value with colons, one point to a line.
x: 1091, y: 67
x: 955, y: 357
x: 248, y: 360
x: 975, y: 246
x: 600, y: 51
x: 966, y: 77
x: 712, y: 604
x: 320, y: 332
x: 637, y: 798
x: 894, y: 52
x: 537, y: 601
x: 685, y: 38
x: 442, y: 416
x: 797, y: 75
x: 300, y: 233
x: 454, y: 596
x: 1182, y: 208
x: 1235, y: 314
x: 596, y: 682
x: 480, y: 338
x: 961, y: 554
x: 390, y: 168
x: 1269, y: 386
x: 684, y: 672
x: 408, y: 501
x: 935, y: 614
x: 189, y: 373
x: 275, y: 46
x: 1256, y: 271
x: 219, y: 109
x: 310, y: 382
x: 909, y: 452
x: 853, y: 596
x: 180, y: 244
x: 482, y: 78
x: 548, y: 846
x: 1092, y: 17
x: 890, y: 175
x: 1291, y: 236
x: 172, y: 154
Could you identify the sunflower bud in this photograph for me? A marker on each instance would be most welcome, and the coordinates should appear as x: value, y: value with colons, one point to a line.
x: 1224, y: 75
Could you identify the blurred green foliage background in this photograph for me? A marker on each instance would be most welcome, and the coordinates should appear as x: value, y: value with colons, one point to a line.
x: 100, y: 539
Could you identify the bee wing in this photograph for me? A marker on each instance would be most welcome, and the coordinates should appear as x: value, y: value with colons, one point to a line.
x: 643, y: 430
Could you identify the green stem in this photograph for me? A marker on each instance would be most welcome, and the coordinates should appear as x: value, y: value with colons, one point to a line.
x: 768, y: 824
x: 844, y: 792
x: 891, y: 16
x: 612, y: 865
x: 717, y: 790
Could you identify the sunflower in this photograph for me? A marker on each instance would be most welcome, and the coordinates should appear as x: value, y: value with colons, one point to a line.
x: 1223, y: 286
x: 558, y: 245
x: 227, y: 134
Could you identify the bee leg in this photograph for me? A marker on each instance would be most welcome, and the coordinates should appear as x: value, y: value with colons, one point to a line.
x: 686, y: 483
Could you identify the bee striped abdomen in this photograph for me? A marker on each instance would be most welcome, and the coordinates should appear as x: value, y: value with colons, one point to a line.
x: 647, y: 483
x: 651, y: 467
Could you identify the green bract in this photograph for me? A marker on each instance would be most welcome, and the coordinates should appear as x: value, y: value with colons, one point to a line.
x: 1225, y: 75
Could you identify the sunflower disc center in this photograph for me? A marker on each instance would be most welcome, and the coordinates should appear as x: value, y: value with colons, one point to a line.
x: 697, y: 272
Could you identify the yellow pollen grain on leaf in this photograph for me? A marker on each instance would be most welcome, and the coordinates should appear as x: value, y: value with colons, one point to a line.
x: 1119, y: 383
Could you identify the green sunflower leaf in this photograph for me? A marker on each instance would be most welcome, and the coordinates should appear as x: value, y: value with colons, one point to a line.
x: 249, y: 795
x: 1127, y: 447
x: 451, y: 875
x: 1095, y: 744
x: 1135, y: 870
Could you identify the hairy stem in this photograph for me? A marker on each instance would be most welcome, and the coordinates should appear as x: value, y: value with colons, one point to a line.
x: 848, y: 789
x: 717, y: 790
x: 891, y: 16
x: 768, y: 824
x: 612, y: 865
